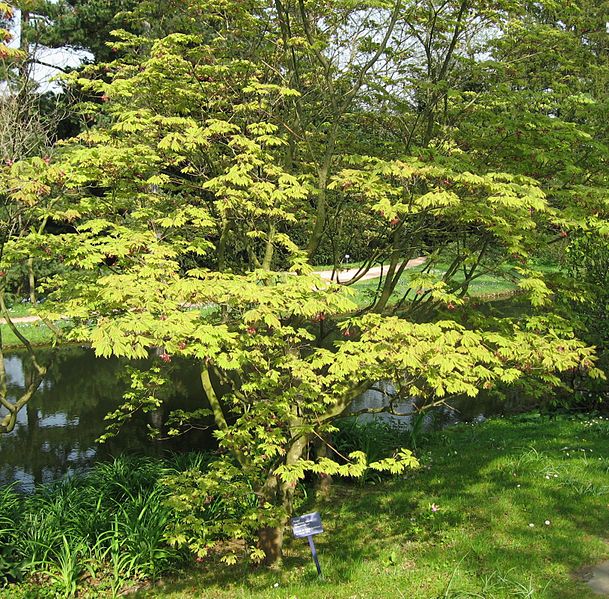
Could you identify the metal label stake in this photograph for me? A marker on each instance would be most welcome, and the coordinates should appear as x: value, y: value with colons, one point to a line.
x: 314, y: 554
x: 307, y: 526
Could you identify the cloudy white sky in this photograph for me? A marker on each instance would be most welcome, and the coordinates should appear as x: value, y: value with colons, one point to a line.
x: 61, y: 57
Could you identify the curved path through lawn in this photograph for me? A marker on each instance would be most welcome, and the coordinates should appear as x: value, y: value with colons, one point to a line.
x: 345, y: 276
x: 21, y: 319
x: 342, y: 276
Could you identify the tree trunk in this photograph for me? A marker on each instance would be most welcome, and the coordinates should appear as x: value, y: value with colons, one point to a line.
x: 31, y: 280
x: 388, y: 284
x: 270, y: 538
x: 270, y: 249
x: 324, y: 481
x: 320, y: 212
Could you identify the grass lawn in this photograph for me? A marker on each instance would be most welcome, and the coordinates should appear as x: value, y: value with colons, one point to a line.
x: 522, y: 511
x: 35, y: 332
x: 485, y: 286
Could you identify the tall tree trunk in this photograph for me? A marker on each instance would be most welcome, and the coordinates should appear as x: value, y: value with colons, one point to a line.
x: 31, y: 280
x: 270, y: 248
x: 321, y: 209
x: 281, y: 493
x: 324, y: 481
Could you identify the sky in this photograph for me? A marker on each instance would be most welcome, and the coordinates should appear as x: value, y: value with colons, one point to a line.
x: 61, y: 57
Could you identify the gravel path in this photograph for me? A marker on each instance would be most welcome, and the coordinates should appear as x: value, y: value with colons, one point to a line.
x: 599, y: 581
x: 21, y: 319
x: 344, y: 276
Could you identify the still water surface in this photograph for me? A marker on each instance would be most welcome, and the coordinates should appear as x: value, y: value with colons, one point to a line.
x: 56, y: 433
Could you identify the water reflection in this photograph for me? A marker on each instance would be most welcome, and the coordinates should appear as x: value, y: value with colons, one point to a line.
x: 56, y: 432
x: 466, y: 409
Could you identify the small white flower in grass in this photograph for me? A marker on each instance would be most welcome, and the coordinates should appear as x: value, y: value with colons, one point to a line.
x: 276, y: 585
x: 518, y: 486
x: 548, y: 476
x: 547, y: 523
x: 531, y: 525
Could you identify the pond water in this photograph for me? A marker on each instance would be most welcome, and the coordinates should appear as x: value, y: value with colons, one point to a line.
x: 468, y: 409
x: 56, y: 432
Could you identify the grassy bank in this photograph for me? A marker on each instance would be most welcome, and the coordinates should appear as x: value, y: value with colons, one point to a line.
x: 495, y: 486
x: 489, y: 286
x: 37, y: 333
x: 484, y: 287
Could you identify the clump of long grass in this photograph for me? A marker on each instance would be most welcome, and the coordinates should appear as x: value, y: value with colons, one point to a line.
x: 103, y: 529
x: 10, y: 560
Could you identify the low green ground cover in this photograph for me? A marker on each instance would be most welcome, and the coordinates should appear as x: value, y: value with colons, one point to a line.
x: 509, y: 508
x: 90, y: 535
x: 487, y: 286
x: 37, y: 333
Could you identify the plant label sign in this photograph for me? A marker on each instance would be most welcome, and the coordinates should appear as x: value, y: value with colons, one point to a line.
x: 307, y: 525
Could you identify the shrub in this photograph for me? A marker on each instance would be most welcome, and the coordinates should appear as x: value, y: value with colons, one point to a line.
x: 108, y: 525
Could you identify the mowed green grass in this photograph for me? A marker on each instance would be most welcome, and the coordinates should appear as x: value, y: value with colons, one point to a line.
x: 485, y: 287
x: 522, y: 511
x: 37, y: 333
x: 489, y: 286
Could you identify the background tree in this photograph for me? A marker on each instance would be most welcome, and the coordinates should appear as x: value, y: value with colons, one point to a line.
x: 25, y: 131
x: 84, y: 25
